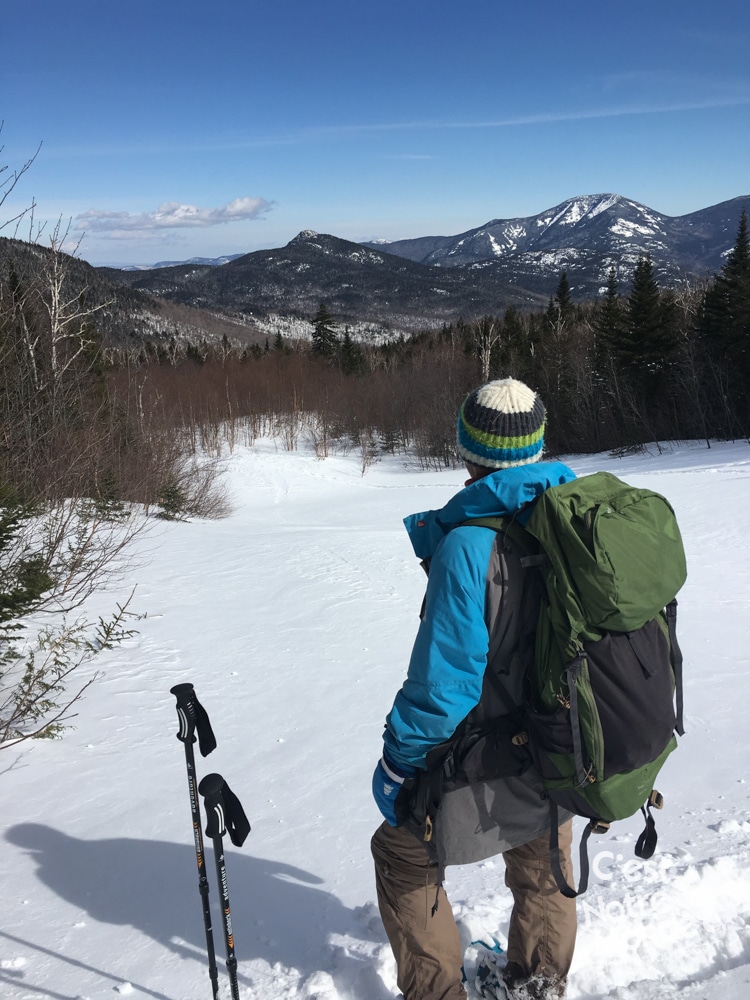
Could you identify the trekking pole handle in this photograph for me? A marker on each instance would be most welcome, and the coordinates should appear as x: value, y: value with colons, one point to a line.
x: 192, y: 716
x: 185, y: 711
x: 211, y: 788
x: 224, y: 812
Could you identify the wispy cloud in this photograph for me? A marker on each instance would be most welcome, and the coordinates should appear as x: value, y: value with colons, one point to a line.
x: 170, y: 215
x: 624, y: 110
x: 738, y: 96
x: 549, y: 117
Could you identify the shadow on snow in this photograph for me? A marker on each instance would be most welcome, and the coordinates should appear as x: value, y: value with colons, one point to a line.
x: 278, y: 912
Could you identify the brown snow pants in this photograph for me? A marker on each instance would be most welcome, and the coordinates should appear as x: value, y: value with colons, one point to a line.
x: 426, y: 943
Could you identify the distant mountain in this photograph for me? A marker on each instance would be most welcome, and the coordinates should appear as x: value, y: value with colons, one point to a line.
x: 383, y: 289
x: 208, y: 261
x: 125, y: 316
x: 377, y: 293
x: 586, y: 236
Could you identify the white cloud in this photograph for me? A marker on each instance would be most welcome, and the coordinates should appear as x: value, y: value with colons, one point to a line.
x: 170, y: 215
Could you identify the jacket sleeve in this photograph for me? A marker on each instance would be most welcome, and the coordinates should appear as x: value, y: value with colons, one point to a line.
x: 446, y: 670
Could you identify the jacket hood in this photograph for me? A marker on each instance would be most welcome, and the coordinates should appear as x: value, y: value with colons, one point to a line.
x: 501, y: 494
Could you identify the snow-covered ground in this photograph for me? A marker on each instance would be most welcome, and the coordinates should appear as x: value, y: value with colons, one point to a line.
x: 294, y: 620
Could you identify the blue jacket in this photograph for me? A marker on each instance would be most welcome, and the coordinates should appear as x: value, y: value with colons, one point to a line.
x: 446, y: 670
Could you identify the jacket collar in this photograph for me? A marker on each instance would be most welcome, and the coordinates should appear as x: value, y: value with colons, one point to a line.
x: 501, y: 494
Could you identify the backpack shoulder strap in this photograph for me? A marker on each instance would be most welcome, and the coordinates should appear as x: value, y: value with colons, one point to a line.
x: 517, y: 533
x: 531, y: 557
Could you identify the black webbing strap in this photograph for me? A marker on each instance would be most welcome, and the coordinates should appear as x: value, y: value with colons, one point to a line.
x: 206, y: 738
x: 238, y: 825
x: 676, y: 663
x: 646, y: 843
x: 571, y: 675
x: 556, y: 861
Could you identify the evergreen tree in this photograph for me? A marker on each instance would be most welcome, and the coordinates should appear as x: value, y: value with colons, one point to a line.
x: 648, y: 343
x: 25, y: 577
x: 48, y: 564
x: 609, y: 320
x: 563, y: 299
x: 726, y: 311
x: 515, y: 354
x: 560, y: 311
x: 193, y: 352
x: 352, y: 360
x: 643, y: 317
x: 324, y: 339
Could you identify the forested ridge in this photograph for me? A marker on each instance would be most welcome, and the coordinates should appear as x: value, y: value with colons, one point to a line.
x: 115, y: 422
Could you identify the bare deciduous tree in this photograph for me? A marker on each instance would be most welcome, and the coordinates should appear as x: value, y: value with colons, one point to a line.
x: 486, y: 336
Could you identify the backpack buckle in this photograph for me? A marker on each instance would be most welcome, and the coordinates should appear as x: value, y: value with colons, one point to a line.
x: 656, y: 799
x: 599, y: 826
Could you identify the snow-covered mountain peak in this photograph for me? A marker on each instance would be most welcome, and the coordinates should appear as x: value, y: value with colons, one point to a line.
x: 304, y: 235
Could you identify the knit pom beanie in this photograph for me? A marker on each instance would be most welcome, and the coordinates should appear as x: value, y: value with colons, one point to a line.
x: 501, y: 424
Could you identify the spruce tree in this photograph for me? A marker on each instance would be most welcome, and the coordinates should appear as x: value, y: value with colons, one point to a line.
x: 648, y: 344
x: 560, y: 311
x: 515, y: 357
x: 563, y: 300
x: 726, y: 311
x: 324, y: 339
x: 352, y: 360
x: 609, y: 319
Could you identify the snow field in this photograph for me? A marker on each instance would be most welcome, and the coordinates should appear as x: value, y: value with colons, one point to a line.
x: 294, y: 619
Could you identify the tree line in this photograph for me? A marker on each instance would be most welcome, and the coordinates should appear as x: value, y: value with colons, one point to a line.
x: 128, y: 424
x: 636, y: 365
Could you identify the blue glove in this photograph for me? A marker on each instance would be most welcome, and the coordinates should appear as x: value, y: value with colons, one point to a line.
x: 387, y: 782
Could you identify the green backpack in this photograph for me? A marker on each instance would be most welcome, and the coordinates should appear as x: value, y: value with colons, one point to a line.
x: 600, y: 715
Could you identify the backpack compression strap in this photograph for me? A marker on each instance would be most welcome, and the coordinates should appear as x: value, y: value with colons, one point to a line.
x: 671, y: 611
x: 555, y: 859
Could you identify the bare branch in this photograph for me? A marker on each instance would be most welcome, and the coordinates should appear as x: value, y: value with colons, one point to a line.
x: 8, y: 183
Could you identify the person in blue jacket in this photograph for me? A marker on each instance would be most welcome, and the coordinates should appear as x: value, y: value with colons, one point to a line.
x: 455, y: 783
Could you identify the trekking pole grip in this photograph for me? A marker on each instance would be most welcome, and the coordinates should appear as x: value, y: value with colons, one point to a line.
x: 211, y: 788
x: 192, y: 716
x: 224, y: 812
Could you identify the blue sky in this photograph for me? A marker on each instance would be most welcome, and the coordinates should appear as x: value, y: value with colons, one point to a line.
x: 174, y: 129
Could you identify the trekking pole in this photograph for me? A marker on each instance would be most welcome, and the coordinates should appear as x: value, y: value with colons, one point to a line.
x: 192, y: 716
x: 224, y: 814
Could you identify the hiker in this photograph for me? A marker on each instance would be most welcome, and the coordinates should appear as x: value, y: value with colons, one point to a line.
x: 465, y: 682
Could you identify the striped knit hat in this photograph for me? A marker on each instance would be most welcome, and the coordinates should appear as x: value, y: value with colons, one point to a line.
x: 501, y: 424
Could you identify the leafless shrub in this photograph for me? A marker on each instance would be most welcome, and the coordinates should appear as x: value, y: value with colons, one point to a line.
x: 368, y: 449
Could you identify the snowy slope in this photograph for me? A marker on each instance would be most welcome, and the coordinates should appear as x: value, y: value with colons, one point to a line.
x: 294, y: 619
